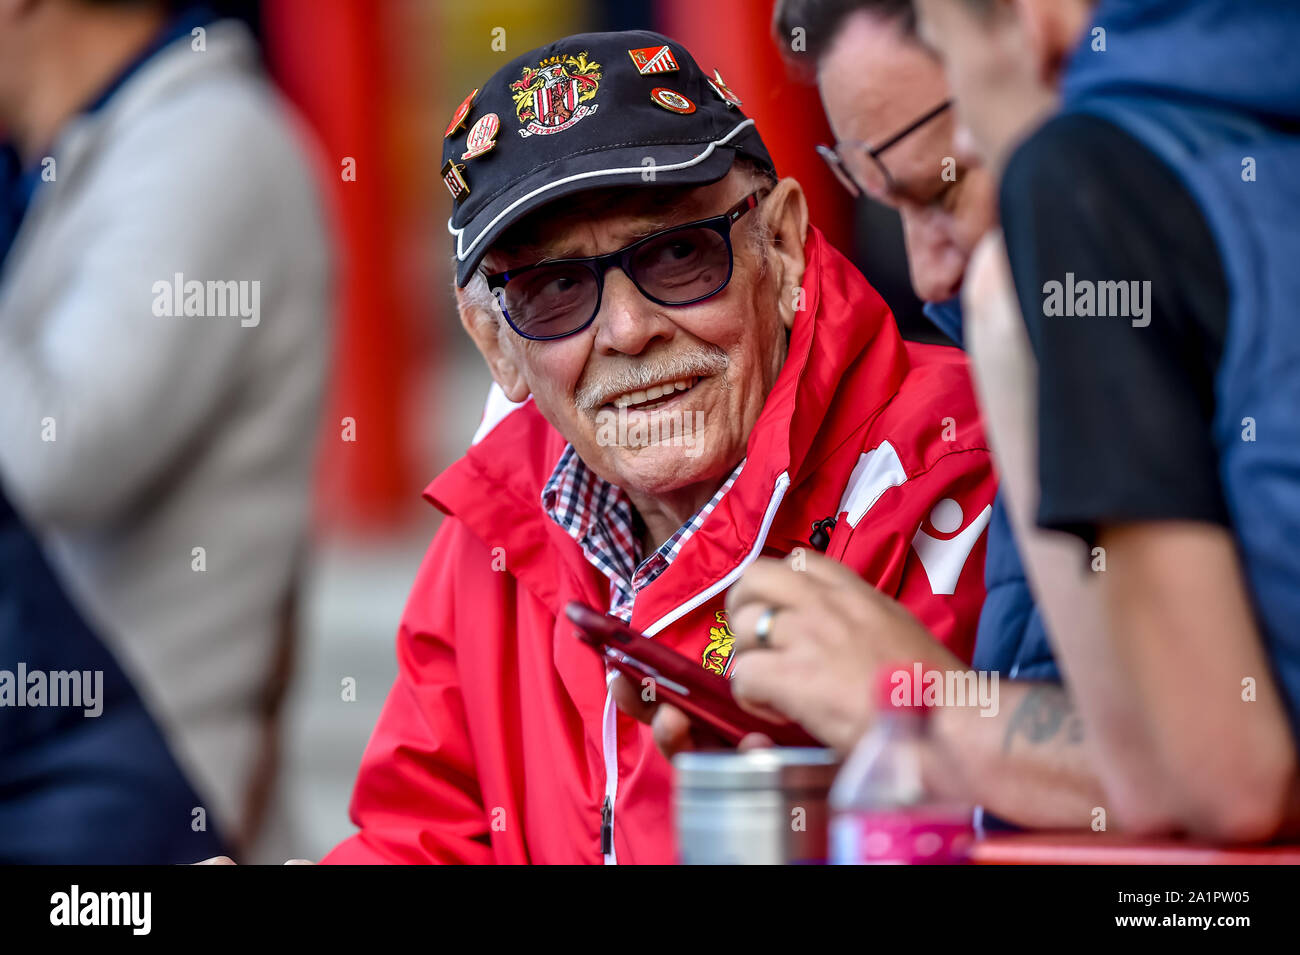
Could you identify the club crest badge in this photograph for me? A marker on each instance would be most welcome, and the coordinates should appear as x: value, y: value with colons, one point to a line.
x: 717, y: 655
x: 482, y: 136
x: 672, y: 101
x: 654, y: 59
x: 556, y: 94
x: 462, y: 113
x: 723, y: 90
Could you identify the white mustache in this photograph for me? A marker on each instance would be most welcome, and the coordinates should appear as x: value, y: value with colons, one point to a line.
x: 656, y: 371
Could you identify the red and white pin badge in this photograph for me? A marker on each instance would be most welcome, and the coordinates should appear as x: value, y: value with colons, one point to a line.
x: 723, y: 90
x: 482, y: 136
x: 654, y: 59
x: 462, y: 113
x: 672, y: 101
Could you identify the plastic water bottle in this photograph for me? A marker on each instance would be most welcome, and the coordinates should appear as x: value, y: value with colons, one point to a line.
x: 881, y: 811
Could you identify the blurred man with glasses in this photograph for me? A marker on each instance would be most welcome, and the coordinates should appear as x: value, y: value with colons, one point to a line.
x: 872, y: 177
x: 889, y: 106
x: 625, y: 251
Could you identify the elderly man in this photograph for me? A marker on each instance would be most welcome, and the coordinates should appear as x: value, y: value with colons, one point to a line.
x: 689, y: 377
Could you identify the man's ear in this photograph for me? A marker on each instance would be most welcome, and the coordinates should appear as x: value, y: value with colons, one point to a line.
x: 786, y: 209
x: 1052, y: 29
x: 485, y: 327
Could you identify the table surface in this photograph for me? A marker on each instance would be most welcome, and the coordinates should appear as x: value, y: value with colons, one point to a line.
x: 1102, y: 848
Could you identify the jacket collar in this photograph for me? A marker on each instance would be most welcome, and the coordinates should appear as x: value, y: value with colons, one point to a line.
x: 845, y: 362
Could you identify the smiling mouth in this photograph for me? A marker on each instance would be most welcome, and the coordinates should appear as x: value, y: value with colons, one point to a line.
x: 653, y: 397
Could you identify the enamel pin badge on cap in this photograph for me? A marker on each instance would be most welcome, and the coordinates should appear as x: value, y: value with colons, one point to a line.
x: 723, y: 90
x: 454, y: 178
x: 671, y: 101
x: 462, y: 113
x: 654, y: 59
x: 482, y: 136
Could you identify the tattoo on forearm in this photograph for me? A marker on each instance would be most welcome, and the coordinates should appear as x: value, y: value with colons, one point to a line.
x: 1044, y: 714
x: 1074, y: 728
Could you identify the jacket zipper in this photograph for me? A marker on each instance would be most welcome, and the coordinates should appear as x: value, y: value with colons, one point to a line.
x: 607, y: 828
x: 609, y: 744
x: 609, y: 730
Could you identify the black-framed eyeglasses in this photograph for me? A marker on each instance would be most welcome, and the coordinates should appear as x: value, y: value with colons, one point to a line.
x: 871, y: 178
x: 678, y: 266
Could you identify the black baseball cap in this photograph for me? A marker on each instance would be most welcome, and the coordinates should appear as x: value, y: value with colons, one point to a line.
x: 587, y: 112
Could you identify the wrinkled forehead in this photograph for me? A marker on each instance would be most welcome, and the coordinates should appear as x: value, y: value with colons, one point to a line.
x: 602, y: 220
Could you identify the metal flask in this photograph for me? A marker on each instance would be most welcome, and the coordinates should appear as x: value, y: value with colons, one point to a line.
x: 763, y: 807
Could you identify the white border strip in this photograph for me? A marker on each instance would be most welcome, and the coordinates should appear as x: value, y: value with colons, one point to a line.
x: 778, y: 493
x: 463, y: 254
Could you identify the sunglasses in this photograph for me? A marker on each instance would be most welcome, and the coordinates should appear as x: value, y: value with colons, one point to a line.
x: 871, y: 178
x: 678, y: 266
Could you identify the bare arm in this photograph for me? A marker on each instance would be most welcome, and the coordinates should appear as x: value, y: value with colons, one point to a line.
x: 1029, y: 764
x: 1181, y: 627
x: 1022, y: 757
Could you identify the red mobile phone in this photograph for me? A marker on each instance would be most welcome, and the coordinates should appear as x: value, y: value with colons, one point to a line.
x: 704, y: 696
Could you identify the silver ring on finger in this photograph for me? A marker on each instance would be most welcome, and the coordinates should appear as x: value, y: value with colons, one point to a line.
x: 763, y: 628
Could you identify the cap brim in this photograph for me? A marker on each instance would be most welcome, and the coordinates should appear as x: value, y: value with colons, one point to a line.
x: 690, y: 164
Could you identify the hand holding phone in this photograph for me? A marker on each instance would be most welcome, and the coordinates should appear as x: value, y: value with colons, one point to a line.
x: 703, y: 696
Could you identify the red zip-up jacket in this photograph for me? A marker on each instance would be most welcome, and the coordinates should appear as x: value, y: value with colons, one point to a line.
x: 499, y: 742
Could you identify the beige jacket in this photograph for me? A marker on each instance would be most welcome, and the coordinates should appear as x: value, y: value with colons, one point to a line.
x: 133, y: 434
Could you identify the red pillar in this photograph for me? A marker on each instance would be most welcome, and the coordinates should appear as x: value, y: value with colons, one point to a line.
x: 334, y: 61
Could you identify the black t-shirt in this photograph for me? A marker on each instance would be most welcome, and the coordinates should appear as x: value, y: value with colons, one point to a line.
x: 1126, y: 368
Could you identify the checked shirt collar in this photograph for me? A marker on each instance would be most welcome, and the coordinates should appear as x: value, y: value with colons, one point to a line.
x: 599, y: 517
